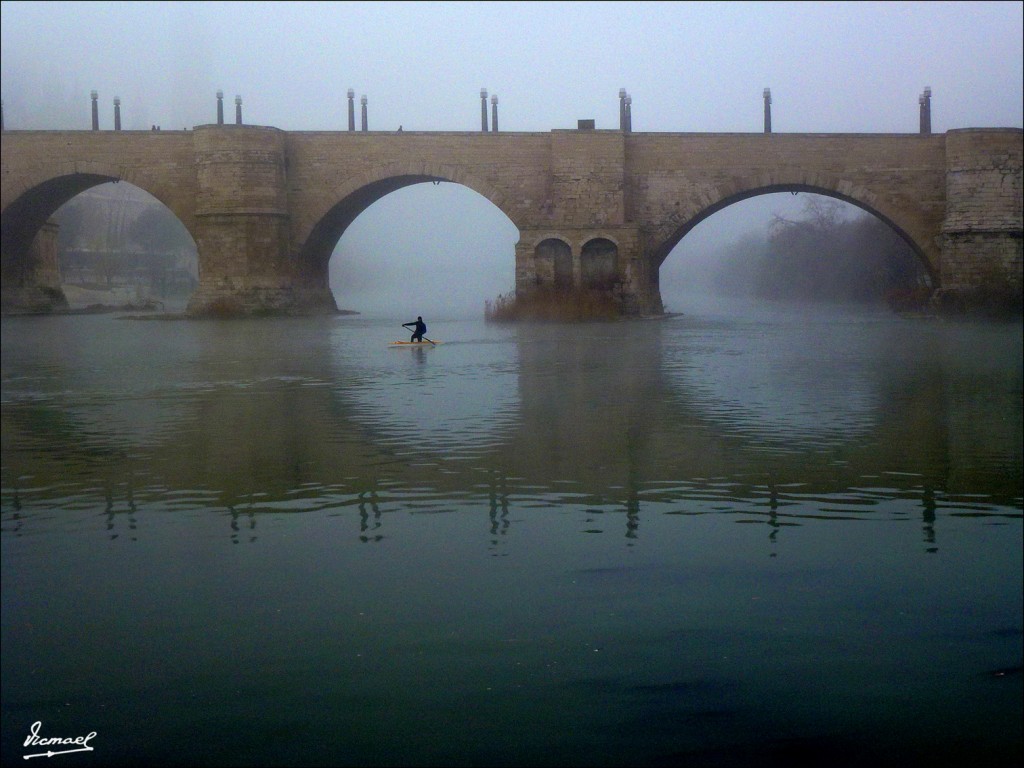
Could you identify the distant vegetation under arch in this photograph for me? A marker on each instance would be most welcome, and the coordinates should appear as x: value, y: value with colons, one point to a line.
x: 118, y: 245
x: 820, y: 249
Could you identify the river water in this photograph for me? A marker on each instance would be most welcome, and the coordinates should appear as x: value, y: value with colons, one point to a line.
x: 743, y: 536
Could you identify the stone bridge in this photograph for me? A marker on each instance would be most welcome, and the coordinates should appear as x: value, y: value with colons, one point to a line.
x: 597, y: 209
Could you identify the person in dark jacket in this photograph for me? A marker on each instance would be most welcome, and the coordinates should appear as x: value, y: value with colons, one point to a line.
x: 418, y: 329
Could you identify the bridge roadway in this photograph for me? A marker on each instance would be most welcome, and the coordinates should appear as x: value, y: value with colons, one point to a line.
x: 597, y: 209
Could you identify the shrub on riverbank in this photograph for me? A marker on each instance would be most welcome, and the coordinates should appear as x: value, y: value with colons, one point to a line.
x: 552, y: 306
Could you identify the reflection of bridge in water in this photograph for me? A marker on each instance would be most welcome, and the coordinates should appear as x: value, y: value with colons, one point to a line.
x: 595, y: 209
x: 629, y: 435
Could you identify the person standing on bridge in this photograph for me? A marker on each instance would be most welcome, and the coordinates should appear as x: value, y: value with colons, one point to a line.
x: 418, y: 329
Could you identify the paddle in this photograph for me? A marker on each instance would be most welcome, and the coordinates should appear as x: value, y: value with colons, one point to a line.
x: 406, y: 325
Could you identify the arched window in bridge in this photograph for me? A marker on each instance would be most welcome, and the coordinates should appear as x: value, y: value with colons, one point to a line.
x: 599, y: 262
x: 554, y: 263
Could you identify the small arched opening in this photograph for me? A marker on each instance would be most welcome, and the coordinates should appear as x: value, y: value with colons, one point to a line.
x: 554, y: 264
x: 599, y: 260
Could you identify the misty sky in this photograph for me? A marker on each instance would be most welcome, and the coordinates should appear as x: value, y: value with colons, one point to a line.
x: 832, y: 67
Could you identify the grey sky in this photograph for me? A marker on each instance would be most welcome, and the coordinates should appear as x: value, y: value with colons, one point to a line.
x: 832, y: 67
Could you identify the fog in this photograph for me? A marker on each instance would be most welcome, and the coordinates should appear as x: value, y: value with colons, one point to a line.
x: 437, y: 250
x: 444, y: 250
x: 832, y: 67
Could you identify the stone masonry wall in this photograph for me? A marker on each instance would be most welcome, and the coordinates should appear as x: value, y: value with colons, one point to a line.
x: 982, y: 230
x: 160, y: 162
x: 677, y: 180
x: 266, y: 206
x: 587, y: 173
x: 327, y: 169
x: 243, y: 219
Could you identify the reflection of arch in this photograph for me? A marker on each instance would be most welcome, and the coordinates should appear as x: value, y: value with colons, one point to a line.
x: 554, y: 263
x: 915, y: 234
x: 599, y: 263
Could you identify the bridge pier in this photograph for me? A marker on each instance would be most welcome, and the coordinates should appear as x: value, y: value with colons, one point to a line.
x: 605, y: 260
x: 242, y: 228
x: 981, y: 238
x: 33, y: 284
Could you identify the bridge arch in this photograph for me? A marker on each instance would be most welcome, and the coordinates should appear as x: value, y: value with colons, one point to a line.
x: 439, y: 250
x: 330, y: 214
x: 44, y: 192
x: 915, y: 234
x: 41, y: 190
x: 31, y: 264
